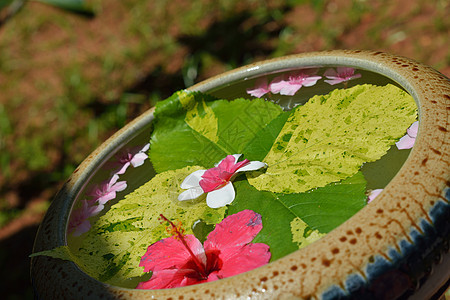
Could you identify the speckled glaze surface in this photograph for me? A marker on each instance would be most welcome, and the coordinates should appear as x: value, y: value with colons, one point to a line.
x: 397, y: 247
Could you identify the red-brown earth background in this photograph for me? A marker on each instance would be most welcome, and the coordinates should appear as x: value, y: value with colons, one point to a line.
x: 67, y: 81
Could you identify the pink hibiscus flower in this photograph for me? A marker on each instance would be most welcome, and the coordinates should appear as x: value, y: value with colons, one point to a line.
x: 182, y: 260
x: 343, y: 74
x: 407, y: 142
x: 79, y: 222
x: 135, y: 157
x: 291, y: 83
x: 217, y: 181
x: 261, y: 88
x: 107, y: 190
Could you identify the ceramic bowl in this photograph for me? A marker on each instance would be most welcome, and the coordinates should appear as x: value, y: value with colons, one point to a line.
x: 396, y: 247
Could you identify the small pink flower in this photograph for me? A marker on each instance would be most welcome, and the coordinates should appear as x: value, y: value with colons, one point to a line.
x: 261, y: 88
x: 182, y: 260
x: 290, y: 84
x: 217, y: 181
x: 134, y: 157
x: 343, y: 74
x: 373, y: 194
x: 79, y: 222
x: 107, y: 190
x: 407, y: 142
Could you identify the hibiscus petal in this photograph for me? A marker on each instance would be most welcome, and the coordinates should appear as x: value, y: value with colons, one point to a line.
x: 330, y: 73
x: 310, y: 81
x: 235, y: 230
x: 192, y: 180
x: 355, y: 76
x: 290, y: 89
x: 242, y: 259
x: 261, y: 88
x: 145, y: 148
x: 228, y: 163
x: 105, y: 198
x: 334, y: 81
x: 139, y: 159
x: 81, y: 228
x: 252, y: 166
x: 192, y: 193
x: 122, y: 169
x: 374, y: 194
x: 166, y: 279
x: 412, y: 130
x: 171, y: 253
x: 118, y: 186
x: 277, y: 84
x: 405, y: 142
x: 345, y: 71
x: 113, y: 180
x: 221, y: 197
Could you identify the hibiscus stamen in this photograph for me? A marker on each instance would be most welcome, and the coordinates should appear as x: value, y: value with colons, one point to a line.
x: 178, y: 233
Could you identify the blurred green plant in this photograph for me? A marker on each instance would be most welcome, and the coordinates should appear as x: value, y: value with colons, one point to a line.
x: 8, y: 8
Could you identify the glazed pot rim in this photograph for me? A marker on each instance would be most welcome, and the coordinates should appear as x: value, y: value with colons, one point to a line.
x: 424, y: 164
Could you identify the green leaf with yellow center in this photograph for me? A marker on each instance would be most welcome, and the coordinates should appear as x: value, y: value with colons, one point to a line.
x: 193, y: 128
x: 331, y: 136
x: 115, y: 244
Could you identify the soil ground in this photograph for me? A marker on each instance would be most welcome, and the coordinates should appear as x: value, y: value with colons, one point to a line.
x: 67, y: 81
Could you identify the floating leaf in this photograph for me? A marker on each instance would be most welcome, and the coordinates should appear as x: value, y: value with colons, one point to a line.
x: 331, y: 136
x: 263, y: 141
x: 322, y: 209
x: 328, y: 207
x: 302, y: 234
x: 192, y: 129
x: 114, y: 246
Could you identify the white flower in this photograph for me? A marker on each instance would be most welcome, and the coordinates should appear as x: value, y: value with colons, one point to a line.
x: 217, y: 181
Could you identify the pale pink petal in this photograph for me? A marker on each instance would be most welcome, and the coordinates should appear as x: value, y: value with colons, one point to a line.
x: 373, y: 194
x: 405, y: 142
x: 118, y: 186
x: 95, y: 210
x: 310, y: 81
x: 277, y: 84
x: 170, y: 253
x: 290, y: 89
x: 343, y: 74
x: 192, y: 180
x: 192, y: 193
x: 221, y: 197
x: 412, y: 130
x: 122, y: 168
x: 113, y: 180
x: 235, y: 230
x: 330, y: 73
x: 252, y: 166
x: 138, y: 159
x: 261, y: 88
x: 345, y: 71
x: 238, y: 260
x: 145, y: 148
x: 105, y: 198
x: 354, y: 76
x: 79, y: 223
x: 83, y: 227
x: 334, y: 81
